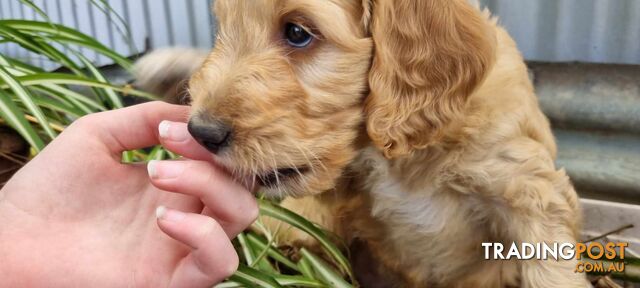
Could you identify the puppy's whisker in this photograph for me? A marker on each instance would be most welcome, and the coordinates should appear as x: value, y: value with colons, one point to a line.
x: 275, y: 170
x: 261, y: 161
x: 253, y: 171
x: 293, y: 165
x: 311, y: 166
x: 291, y: 162
x: 317, y: 159
x: 253, y: 167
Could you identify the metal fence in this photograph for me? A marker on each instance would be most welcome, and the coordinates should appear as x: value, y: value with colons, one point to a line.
x: 129, y: 27
x: 594, y: 31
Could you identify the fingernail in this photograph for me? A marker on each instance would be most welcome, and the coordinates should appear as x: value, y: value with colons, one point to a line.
x: 164, y: 213
x: 151, y: 169
x: 172, y: 131
x: 165, y: 169
x: 163, y: 129
x: 160, y: 211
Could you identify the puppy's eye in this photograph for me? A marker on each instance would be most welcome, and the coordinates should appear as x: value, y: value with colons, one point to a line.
x: 296, y: 36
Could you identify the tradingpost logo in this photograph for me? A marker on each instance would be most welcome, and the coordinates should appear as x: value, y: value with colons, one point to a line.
x: 592, y: 257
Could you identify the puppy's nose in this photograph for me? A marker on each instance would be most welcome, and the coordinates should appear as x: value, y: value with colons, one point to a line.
x: 213, y: 134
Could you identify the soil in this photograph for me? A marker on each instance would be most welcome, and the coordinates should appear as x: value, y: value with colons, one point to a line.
x: 13, y: 153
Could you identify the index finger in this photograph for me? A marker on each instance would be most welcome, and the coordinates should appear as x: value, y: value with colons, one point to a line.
x: 133, y: 127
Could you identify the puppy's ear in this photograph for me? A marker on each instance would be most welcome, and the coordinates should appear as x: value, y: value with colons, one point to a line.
x: 430, y: 55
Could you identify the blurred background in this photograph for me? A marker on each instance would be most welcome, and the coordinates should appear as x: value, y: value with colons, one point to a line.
x: 588, y: 31
x: 584, y: 58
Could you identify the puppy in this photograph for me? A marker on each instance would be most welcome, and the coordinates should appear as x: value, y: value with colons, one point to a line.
x: 408, y: 125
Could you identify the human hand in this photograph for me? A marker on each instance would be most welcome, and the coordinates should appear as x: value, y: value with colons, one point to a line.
x: 75, y: 216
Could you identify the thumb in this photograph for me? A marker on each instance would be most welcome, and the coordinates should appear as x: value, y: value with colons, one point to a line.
x: 133, y: 127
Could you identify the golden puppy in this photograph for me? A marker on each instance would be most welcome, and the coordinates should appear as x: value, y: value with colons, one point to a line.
x: 410, y: 125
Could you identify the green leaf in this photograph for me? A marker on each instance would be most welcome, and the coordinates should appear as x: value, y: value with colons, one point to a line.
x: 253, y: 278
x: 55, y: 105
x: 79, y: 101
x: 124, y: 31
x: 127, y: 157
x: 21, y: 66
x: 297, y: 281
x: 36, y: 44
x: 249, y: 253
x: 283, y: 280
x: 327, y: 275
x: 66, y: 79
x: 269, y: 209
x: 35, y: 8
x: 15, y: 118
x: 62, y: 34
x: 305, y: 268
x: 271, y: 251
x: 26, y: 98
x: 230, y: 284
x: 246, y: 251
x: 83, y: 103
x: 157, y: 153
x: 114, y: 99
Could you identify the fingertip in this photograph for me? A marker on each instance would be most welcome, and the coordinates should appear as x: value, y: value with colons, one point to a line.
x: 189, y: 228
x: 152, y: 169
x: 173, y: 131
x: 160, y: 211
x: 166, y: 214
x: 163, y: 129
x: 175, y: 136
x: 166, y: 170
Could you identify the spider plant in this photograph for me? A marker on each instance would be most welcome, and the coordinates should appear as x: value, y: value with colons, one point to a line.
x: 39, y: 104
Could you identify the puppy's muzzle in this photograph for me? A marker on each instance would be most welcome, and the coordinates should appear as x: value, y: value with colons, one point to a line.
x: 211, y: 133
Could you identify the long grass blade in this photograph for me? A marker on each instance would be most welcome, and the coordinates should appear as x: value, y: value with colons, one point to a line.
x: 306, y: 269
x: 269, y: 209
x: 58, y: 102
x: 271, y: 251
x: 254, y: 278
x: 15, y: 118
x: 114, y: 99
x: 157, y: 153
x: 36, y: 9
x: 66, y: 79
x: 249, y: 252
x: 65, y: 35
x: 283, y: 280
x: 55, y: 105
x: 327, y: 275
x: 38, y: 44
x: 26, y: 98
x: 124, y: 31
x: 297, y: 281
x: 83, y: 103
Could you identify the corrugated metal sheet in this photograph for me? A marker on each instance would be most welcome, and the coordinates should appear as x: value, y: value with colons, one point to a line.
x: 596, y: 31
x: 151, y: 24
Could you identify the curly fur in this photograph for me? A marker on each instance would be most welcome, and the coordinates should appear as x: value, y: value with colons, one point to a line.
x: 418, y: 127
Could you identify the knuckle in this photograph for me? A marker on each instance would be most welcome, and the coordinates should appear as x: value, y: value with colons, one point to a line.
x: 208, y: 230
x: 200, y: 175
x: 84, y: 122
x: 156, y: 103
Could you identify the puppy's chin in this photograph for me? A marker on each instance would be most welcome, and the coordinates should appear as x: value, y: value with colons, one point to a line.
x: 278, y: 183
x: 292, y: 182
